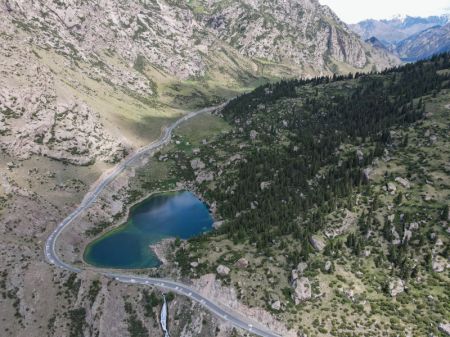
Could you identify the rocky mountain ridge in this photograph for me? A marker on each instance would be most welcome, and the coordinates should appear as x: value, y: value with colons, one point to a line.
x: 425, y: 44
x: 398, y: 28
x: 410, y: 38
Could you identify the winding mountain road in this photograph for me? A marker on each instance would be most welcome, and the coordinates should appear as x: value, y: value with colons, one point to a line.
x: 52, y: 257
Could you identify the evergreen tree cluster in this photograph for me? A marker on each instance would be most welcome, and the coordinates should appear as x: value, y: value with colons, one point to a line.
x: 301, y: 127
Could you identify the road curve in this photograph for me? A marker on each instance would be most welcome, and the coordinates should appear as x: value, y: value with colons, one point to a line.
x: 179, y: 288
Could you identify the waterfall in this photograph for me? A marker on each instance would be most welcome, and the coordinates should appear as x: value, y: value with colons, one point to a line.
x: 164, y: 318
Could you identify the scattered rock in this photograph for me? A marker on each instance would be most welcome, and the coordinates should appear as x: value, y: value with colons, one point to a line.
x: 391, y: 188
x: 253, y: 134
x: 439, y: 264
x: 197, y: 164
x: 328, y: 266
x: 360, y: 155
x: 217, y: 224
x: 242, y: 263
x: 404, y: 182
x: 366, y: 173
x: 223, y: 270
x: 349, y: 220
x: 413, y: 226
x: 235, y: 157
x: 427, y: 197
x: 302, y: 267
x: 396, y: 237
x: 265, y: 185
x: 276, y: 305
x: 350, y: 294
x: 194, y: 264
x: 407, y: 236
x: 396, y: 287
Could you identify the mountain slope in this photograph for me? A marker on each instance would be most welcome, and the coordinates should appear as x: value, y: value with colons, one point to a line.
x: 425, y: 44
x: 299, y: 32
x: 138, y: 63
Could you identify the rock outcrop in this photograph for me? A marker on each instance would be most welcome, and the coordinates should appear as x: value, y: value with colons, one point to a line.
x: 396, y: 287
x: 445, y: 328
x: 302, y: 290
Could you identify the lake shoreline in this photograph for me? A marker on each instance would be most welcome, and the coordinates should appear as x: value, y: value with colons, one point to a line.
x: 161, y: 250
x: 159, y: 217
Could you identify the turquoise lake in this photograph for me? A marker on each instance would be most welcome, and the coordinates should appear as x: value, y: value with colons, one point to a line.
x: 166, y: 215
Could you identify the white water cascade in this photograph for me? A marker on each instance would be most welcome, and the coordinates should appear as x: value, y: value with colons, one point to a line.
x: 164, y: 318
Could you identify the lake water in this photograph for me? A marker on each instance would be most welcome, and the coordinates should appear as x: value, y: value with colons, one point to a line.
x: 175, y: 214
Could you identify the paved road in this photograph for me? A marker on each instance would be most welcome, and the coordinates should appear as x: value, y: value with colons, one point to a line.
x: 182, y: 289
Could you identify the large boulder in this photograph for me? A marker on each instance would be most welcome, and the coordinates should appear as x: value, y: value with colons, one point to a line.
x: 301, y: 267
x: 223, y: 270
x: 299, y: 271
x: 404, y: 182
x: 302, y: 290
x: 396, y: 287
x: 265, y: 185
x: 439, y: 264
x: 445, y: 328
x: 276, y: 305
x: 317, y: 242
x: 391, y: 188
x: 242, y: 263
x: 197, y: 164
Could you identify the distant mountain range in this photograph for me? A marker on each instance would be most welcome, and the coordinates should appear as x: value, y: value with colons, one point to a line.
x: 425, y: 44
x: 410, y: 38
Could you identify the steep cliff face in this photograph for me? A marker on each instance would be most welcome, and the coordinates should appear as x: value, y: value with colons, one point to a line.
x: 299, y: 32
x: 176, y: 37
